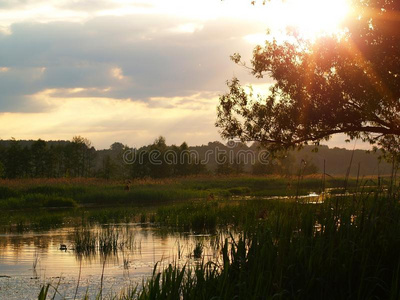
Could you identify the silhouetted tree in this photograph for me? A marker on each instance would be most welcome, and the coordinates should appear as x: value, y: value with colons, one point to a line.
x: 224, y: 165
x: 108, y: 167
x: 27, y: 159
x: 348, y: 84
x: 14, y: 161
x: 39, y: 158
x: 114, y: 163
x: 81, y: 156
x: 261, y: 169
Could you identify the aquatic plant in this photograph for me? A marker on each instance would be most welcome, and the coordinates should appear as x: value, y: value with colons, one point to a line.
x: 104, y: 240
x: 85, y: 241
x: 198, y: 250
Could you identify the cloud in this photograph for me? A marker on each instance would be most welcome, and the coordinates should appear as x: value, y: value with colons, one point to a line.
x: 128, y: 78
x: 87, y: 5
x: 105, y: 120
x: 120, y: 69
x: 132, y: 57
x: 73, y: 5
x: 14, y: 4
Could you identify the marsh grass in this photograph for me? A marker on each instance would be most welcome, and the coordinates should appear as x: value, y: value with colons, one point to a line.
x: 35, y: 262
x: 351, y: 254
x: 208, y: 216
x: 198, y: 250
x: 103, y: 240
x: 105, y: 202
x: 28, y: 193
x: 85, y: 242
x: 30, y: 201
x: 36, y: 203
x: 343, y: 248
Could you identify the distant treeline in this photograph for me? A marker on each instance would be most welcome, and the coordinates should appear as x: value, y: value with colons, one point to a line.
x: 78, y: 158
x: 36, y: 159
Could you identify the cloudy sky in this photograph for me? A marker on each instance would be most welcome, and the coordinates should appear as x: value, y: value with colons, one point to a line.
x: 120, y: 70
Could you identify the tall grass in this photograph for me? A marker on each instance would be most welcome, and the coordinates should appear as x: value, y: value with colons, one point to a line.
x: 300, y: 252
x: 30, y: 201
x: 344, y: 248
x: 22, y: 194
x: 103, y: 240
x: 40, y: 197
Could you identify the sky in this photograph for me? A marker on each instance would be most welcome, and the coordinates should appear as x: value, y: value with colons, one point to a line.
x: 126, y: 71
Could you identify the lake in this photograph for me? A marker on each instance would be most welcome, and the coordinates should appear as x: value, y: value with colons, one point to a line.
x: 32, y: 259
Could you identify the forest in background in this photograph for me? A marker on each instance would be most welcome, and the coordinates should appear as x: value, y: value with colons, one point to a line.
x: 78, y: 158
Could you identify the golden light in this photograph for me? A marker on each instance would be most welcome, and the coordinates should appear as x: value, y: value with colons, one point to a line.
x: 312, y: 18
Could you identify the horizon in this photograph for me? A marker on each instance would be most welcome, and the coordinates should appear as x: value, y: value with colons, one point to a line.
x: 248, y: 144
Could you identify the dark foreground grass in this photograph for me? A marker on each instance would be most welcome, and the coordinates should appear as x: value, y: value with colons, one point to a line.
x: 344, y: 251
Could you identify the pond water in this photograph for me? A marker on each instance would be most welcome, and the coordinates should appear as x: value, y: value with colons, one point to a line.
x: 107, y: 257
x: 30, y: 260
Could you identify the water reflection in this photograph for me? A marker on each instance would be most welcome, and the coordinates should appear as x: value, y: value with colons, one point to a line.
x: 127, y: 252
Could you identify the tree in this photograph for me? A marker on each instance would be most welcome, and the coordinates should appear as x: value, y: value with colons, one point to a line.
x: 83, y: 155
x: 224, y: 166
x: 2, y: 172
x: 108, y: 167
x: 336, y: 84
x: 39, y: 158
x: 15, y: 162
x: 119, y: 168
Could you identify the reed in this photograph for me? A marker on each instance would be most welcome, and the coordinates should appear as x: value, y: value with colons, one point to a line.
x: 350, y: 254
x: 198, y: 250
x: 104, y: 240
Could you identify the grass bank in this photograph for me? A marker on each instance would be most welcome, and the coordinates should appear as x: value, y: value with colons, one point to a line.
x: 102, y: 192
x: 48, y: 203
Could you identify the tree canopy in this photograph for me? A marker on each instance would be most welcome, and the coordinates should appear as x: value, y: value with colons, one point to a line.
x: 335, y: 84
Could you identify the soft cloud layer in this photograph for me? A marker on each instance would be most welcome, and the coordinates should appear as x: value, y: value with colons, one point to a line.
x: 115, y: 77
x: 105, y: 120
x: 135, y: 57
x: 121, y: 70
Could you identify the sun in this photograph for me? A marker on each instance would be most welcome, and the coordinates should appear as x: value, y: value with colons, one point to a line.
x: 312, y: 18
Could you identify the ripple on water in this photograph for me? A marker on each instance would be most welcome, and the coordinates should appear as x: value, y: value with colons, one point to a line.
x: 19, y: 253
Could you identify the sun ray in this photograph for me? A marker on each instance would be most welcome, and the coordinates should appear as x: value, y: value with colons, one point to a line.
x: 312, y: 18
